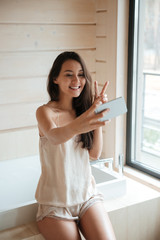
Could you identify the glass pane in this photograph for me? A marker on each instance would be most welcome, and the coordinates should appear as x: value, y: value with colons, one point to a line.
x: 148, y: 85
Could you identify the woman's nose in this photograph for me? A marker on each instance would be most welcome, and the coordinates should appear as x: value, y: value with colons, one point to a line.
x: 75, y: 79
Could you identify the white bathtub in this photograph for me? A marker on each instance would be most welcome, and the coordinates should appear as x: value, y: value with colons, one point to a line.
x: 18, y: 181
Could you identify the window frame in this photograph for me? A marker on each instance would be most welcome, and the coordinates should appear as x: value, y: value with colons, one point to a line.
x: 131, y: 86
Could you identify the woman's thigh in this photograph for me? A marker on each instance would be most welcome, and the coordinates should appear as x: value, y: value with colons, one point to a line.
x: 55, y: 229
x: 95, y: 224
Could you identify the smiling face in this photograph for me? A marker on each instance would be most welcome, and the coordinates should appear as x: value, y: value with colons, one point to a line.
x: 71, y: 80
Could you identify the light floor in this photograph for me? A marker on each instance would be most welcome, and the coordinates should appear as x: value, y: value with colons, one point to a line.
x: 25, y: 232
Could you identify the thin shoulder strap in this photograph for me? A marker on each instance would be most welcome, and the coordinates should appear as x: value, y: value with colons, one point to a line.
x: 57, y: 119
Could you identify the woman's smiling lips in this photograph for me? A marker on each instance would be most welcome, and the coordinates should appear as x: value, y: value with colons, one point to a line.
x: 75, y: 88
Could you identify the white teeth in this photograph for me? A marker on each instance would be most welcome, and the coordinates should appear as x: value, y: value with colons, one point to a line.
x: 74, y: 87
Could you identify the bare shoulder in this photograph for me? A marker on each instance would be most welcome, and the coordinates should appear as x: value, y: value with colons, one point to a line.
x: 45, y: 111
x: 41, y: 111
x: 46, y: 118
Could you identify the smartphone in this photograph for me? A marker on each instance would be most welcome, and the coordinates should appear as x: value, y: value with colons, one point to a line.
x: 116, y: 106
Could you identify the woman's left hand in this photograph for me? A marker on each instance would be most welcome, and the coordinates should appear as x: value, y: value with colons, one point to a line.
x: 102, y: 93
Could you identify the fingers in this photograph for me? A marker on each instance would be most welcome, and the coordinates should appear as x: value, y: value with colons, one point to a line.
x: 96, y: 120
x: 96, y: 89
x: 89, y: 120
x: 97, y: 102
x: 104, y: 98
x: 104, y: 88
x: 96, y: 116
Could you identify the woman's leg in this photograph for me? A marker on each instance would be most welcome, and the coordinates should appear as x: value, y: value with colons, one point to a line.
x: 95, y: 224
x: 55, y: 229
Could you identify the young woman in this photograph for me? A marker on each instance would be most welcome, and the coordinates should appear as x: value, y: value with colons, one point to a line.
x: 70, y: 134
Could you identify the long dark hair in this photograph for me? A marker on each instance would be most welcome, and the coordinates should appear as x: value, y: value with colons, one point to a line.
x: 81, y: 103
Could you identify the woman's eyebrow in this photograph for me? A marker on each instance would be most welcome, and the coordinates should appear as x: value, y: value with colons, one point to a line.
x: 68, y: 71
x: 72, y: 71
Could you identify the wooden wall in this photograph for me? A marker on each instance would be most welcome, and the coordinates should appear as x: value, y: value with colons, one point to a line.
x: 32, y: 34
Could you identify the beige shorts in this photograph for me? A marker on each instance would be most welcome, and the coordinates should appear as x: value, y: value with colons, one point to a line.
x: 68, y: 213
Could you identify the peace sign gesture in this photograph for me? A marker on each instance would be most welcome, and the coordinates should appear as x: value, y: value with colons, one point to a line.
x: 102, y: 94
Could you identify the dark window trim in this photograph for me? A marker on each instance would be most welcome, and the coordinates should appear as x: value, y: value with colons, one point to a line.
x: 129, y: 161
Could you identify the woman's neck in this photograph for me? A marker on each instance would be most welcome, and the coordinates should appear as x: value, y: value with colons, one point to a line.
x: 65, y: 104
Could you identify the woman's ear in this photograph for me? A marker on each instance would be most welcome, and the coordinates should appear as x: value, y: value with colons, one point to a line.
x: 55, y: 81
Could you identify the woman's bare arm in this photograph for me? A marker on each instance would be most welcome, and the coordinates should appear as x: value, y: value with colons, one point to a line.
x: 97, y: 146
x: 86, y: 122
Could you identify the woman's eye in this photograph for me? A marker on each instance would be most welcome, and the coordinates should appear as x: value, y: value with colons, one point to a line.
x: 81, y: 75
x: 69, y: 75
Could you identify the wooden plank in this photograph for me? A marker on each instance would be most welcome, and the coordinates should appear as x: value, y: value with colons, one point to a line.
x: 48, y: 11
x: 23, y: 90
x: 107, y: 26
x: 46, y: 37
x: 18, y: 115
x: 27, y: 64
x: 101, y: 49
x: 101, y: 72
x: 19, y: 143
x: 102, y: 19
x: 93, y: 75
x: 101, y: 4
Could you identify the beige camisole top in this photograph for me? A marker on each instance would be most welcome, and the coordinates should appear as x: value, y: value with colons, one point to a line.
x: 66, y: 178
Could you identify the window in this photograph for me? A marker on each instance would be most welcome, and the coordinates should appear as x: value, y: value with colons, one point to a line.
x: 143, y: 122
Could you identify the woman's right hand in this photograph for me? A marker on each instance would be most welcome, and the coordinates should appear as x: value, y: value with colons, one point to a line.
x: 89, y: 120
